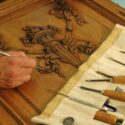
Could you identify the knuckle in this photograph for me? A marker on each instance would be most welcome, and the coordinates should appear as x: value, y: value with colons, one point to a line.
x: 33, y: 62
x: 9, y: 84
x: 13, y: 62
x: 30, y: 71
x: 12, y: 74
x: 22, y: 53
x: 28, y: 77
x: 12, y: 83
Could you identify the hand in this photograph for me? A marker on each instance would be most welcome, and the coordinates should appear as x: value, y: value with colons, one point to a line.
x: 16, y: 69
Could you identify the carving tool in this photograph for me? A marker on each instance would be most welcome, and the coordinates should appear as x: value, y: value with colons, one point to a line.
x: 104, y: 107
x: 98, y: 80
x: 109, y: 93
x: 76, y: 99
x: 4, y: 53
x: 123, y: 64
x: 122, y: 52
x: 113, y: 79
x: 100, y: 115
x: 108, y: 118
x: 104, y: 74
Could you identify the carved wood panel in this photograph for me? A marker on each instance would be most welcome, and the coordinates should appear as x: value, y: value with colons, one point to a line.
x: 59, y: 40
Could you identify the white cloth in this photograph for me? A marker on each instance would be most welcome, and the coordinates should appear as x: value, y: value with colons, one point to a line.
x: 84, y: 114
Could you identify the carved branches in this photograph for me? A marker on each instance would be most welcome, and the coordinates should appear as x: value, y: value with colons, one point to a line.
x: 51, y: 66
x: 54, y: 49
x: 62, y: 9
x: 34, y: 33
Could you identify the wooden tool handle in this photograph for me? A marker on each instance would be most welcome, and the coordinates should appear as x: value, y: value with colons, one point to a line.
x: 105, y: 117
x: 118, y: 79
x: 115, y: 95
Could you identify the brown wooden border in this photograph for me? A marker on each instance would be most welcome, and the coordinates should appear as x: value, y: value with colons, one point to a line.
x: 104, y: 11
x: 7, y: 8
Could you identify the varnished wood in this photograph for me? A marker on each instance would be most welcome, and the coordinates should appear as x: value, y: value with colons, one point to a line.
x: 31, y: 98
x: 105, y: 117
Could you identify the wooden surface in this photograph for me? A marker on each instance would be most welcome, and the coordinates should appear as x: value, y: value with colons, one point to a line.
x: 31, y: 98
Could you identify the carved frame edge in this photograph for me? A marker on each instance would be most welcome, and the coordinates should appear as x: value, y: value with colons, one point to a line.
x: 104, y: 11
x: 8, y: 8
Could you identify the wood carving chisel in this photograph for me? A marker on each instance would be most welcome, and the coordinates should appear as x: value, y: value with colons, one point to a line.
x: 107, y: 118
x: 112, y: 79
x: 114, y: 60
x: 100, y: 115
x: 109, y: 93
x: 4, y: 53
x: 106, y: 106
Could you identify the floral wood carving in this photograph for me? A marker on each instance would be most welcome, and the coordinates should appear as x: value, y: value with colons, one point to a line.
x: 54, y: 49
x: 62, y: 9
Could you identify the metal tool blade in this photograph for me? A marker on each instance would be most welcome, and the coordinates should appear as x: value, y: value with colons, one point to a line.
x: 123, y: 64
x: 98, y: 80
x: 103, y: 74
x: 90, y: 89
x: 76, y: 100
x: 4, y: 53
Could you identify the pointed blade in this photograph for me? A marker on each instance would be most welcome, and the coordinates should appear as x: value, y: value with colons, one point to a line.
x: 98, y: 80
x: 89, y: 89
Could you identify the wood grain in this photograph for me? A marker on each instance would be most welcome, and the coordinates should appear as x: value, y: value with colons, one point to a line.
x: 31, y: 98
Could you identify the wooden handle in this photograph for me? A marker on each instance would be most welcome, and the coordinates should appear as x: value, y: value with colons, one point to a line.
x: 118, y: 79
x: 105, y: 117
x: 115, y: 95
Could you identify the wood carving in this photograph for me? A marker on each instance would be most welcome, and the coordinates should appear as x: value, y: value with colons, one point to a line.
x: 62, y: 9
x: 54, y: 50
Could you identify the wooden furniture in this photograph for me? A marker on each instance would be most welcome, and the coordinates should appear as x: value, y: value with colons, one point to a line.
x: 18, y: 105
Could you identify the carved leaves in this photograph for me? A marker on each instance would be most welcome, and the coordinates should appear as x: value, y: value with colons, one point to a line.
x: 63, y: 10
x: 54, y: 49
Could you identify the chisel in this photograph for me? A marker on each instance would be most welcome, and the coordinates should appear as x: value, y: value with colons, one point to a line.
x: 109, y: 93
x: 113, y: 79
x: 107, y: 118
x: 100, y: 115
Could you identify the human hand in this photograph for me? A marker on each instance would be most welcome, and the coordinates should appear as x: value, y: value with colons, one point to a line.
x: 16, y: 69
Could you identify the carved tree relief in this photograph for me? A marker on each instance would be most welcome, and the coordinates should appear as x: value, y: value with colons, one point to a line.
x: 64, y: 50
x: 63, y: 10
x: 55, y: 50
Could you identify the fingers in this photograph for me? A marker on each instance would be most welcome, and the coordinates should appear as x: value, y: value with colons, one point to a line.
x: 28, y: 62
x: 14, y: 73
x: 17, y: 53
x: 21, y: 61
x: 11, y: 83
